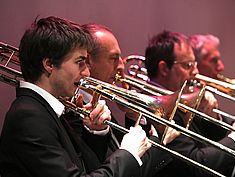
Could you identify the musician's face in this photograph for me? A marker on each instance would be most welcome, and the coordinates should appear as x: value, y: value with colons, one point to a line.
x: 211, y: 65
x: 184, y: 67
x: 64, y: 79
x: 108, y: 62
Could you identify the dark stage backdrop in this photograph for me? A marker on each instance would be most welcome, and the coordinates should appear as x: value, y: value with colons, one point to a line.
x: 133, y: 22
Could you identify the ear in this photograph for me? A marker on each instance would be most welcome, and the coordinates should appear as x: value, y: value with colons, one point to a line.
x: 48, y: 66
x: 163, y: 68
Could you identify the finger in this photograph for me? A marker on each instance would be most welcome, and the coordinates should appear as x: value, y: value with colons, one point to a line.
x: 95, y: 98
x: 148, y: 145
x: 97, y: 111
x: 106, y: 115
x: 153, y: 131
x: 79, y: 100
x: 136, y: 129
x: 170, y: 136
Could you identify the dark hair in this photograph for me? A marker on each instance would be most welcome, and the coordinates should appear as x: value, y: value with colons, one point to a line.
x: 92, y: 28
x: 161, y: 47
x: 52, y: 38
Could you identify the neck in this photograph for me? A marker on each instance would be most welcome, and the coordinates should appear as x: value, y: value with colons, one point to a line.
x: 43, y: 82
x: 159, y: 82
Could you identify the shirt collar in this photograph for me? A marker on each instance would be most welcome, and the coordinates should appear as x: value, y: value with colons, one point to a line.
x: 56, y: 105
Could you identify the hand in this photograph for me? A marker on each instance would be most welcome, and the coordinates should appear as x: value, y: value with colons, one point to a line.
x: 171, y: 134
x: 135, y: 141
x: 208, y: 103
x: 152, y: 131
x: 233, y: 81
x: 99, y: 112
x: 232, y: 133
x: 97, y: 116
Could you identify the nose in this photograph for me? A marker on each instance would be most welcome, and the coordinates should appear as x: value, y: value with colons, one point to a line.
x: 220, y: 66
x: 195, y: 70
x: 120, y: 67
x: 85, y: 72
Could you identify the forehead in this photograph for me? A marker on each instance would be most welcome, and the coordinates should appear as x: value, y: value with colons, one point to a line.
x: 76, y: 53
x: 183, y: 51
x: 210, y: 50
x: 108, y: 42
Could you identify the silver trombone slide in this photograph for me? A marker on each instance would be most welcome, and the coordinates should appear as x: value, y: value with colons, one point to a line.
x: 153, y: 117
x: 84, y: 113
x: 218, y: 111
x: 157, y: 90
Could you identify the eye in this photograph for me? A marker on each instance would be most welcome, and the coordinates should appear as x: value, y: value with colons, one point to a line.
x: 81, y: 62
x: 215, y: 60
x: 80, y: 59
x: 116, y: 56
x: 188, y: 65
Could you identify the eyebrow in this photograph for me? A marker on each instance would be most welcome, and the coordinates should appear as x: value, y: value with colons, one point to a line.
x: 188, y: 60
x: 81, y: 58
x: 116, y: 54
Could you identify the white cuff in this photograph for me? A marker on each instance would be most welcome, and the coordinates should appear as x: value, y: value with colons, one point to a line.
x: 96, y: 132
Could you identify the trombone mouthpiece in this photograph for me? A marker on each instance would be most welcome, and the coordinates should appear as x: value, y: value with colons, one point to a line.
x: 83, y: 83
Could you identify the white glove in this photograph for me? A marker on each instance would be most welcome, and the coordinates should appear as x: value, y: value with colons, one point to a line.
x: 211, y: 98
x: 207, y: 104
x: 135, y: 141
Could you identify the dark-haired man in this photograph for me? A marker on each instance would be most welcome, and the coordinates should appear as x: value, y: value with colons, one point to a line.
x: 36, y: 139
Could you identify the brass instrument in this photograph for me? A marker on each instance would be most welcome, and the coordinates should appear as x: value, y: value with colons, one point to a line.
x: 91, y: 83
x: 135, y: 69
x: 225, y: 79
x: 188, y: 102
x: 16, y: 75
x: 85, y: 113
x: 8, y: 62
x: 220, y: 88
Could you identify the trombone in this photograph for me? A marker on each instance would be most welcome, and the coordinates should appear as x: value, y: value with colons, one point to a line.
x: 225, y: 79
x: 9, y: 60
x: 187, y: 99
x: 123, y: 98
x: 16, y: 75
x: 85, y: 113
x: 221, y: 88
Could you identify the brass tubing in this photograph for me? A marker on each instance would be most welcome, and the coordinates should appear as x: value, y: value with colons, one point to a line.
x: 84, y: 113
x: 153, y: 117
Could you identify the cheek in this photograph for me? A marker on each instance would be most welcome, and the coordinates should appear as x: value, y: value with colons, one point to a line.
x: 70, y: 75
x: 106, y: 71
x: 206, y: 65
x: 181, y: 76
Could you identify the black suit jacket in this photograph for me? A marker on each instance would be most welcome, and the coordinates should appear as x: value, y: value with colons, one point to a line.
x: 35, y: 143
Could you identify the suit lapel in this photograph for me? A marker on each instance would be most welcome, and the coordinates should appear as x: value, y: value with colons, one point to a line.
x: 65, y: 140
